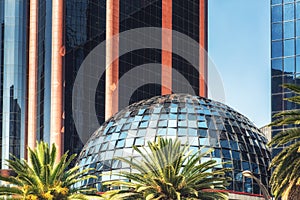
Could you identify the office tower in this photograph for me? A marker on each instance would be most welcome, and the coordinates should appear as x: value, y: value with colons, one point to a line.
x: 52, y: 39
x: 13, y: 63
x: 285, y: 48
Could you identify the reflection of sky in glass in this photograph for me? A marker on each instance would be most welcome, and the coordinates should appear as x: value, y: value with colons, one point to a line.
x: 195, y: 121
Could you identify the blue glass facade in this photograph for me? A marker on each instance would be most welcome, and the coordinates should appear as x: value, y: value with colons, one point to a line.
x: 196, y: 121
x: 13, y: 22
x: 285, y: 54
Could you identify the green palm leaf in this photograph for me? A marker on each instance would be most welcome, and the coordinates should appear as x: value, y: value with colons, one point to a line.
x: 170, y: 171
x: 286, y: 165
x: 44, y: 178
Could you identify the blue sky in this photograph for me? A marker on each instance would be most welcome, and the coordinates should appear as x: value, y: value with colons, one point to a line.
x: 239, y: 46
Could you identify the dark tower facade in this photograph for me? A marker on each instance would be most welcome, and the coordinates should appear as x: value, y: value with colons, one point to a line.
x: 44, y: 43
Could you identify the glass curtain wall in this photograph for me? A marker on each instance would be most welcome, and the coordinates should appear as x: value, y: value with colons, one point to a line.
x: 13, y: 21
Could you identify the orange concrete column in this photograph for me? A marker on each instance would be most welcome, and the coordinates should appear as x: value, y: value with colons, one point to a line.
x: 112, y: 51
x: 203, y: 48
x: 32, y: 74
x: 56, y: 124
x: 166, y: 53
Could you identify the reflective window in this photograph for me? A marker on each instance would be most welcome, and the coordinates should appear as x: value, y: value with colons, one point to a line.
x: 276, y: 49
x: 289, y: 65
x: 276, y: 31
x: 276, y: 67
x: 289, y: 12
x: 288, y: 1
x: 298, y: 64
x: 289, y: 47
x: 298, y: 46
x: 277, y: 102
x: 276, y: 13
x: 289, y: 29
x: 298, y: 10
x: 276, y: 2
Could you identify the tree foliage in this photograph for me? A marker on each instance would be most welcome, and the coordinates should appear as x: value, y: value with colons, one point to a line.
x: 286, y: 165
x: 169, y: 171
x: 43, y: 179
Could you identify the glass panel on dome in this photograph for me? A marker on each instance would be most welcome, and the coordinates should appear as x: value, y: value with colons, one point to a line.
x: 214, y: 142
x: 237, y: 164
x: 202, y: 133
x: 182, y: 123
x: 172, y: 131
x: 202, y: 125
x: 182, y: 116
x: 163, y: 116
x: 204, y: 141
x: 236, y: 155
x: 226, y: 153
x: 139, y: 141
x: 172, y: 123
x: 245, y: 156
x: 224, y: 144
x: 161, y: 131
x: 246, y: 165
x: 182, y: 131
x: 255, y: 168
x: 216, y: 153
x: 192, y: 132
x: 120, y: 143
x: 163, y: 123
x: 192, y: 124
x: 234, y: 145
x: 142, y: 132
x: 172, y: 116
x: 153, y: 124
x: 129, y: 142
x: 144, y: 124
x: 238, y: 176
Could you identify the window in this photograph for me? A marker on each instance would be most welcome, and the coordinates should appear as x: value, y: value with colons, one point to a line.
x: 276, y: 49
x: 277, y: 31
x: 276, y: 2
x: 289, y: 12
x: 277, y: 13
x: 289, y: 29
x: 289, y: 65
x: 276, y: 67
x: 289, y: 47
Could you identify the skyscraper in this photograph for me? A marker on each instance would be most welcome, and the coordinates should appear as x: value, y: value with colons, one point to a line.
x: 13, y: 63
x: 46, y: 42
x: 285, y: 51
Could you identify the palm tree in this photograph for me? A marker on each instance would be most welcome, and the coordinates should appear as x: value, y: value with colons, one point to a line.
x: 169, y: 171
x: 42, y: 178
x: 285, y: 178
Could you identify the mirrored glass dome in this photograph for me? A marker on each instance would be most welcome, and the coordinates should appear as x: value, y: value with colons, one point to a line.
x: 198, y: 121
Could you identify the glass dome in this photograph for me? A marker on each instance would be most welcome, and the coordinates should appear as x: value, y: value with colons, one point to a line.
x: 198, y: 121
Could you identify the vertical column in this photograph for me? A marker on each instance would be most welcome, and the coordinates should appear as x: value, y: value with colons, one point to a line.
x: 112, y: 51
x: 32, y: 74
x: 166, y: 38
x: 56, y: 114
x: 203, y: 48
